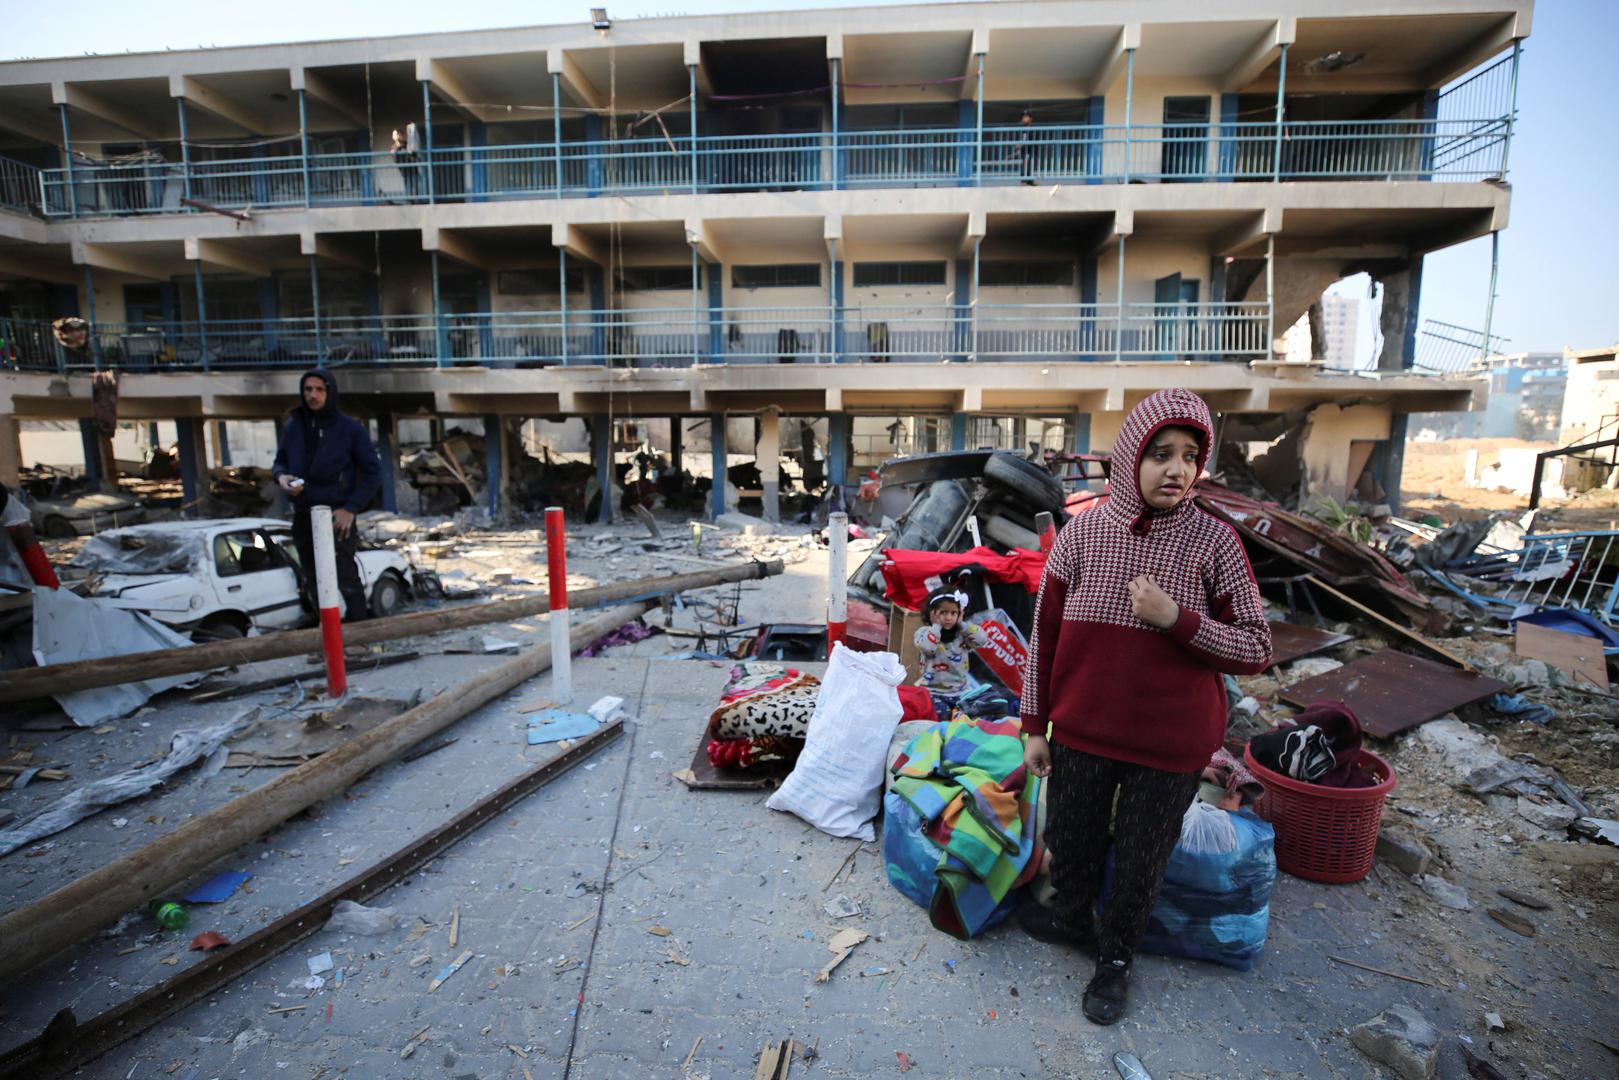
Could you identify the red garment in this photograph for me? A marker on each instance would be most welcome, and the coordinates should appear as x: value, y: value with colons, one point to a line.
x: 1108, y: 683
x: 905, y: 579
x: 916, y: 703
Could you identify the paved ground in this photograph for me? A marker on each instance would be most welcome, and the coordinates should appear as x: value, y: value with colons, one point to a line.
x: 561, y: 897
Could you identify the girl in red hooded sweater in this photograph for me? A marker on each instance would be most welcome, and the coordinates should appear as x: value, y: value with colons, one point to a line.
x: 1145, y: 601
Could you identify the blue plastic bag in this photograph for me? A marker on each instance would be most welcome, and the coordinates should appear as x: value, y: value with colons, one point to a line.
x: 1214, y: 906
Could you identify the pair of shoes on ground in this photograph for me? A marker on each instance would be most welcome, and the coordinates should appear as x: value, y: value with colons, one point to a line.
x: 1109, y: 989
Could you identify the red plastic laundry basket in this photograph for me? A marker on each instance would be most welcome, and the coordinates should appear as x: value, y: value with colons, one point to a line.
x: 1324, y: 833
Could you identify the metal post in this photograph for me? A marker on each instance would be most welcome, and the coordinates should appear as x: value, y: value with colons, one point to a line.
x: 562, y: 273
x: 314, y: 294
x: 90, y: 314
x: 1281, y: 112
x: 1129, y: 105
x: 837, y: 149
x: 303, y: 141
x: 692, y: 80
x: 427, y: 126
x: 556, y: 127
x: 67, y: 153
x: 1118, y: 297
x: 556, y: 560
x: 1489, y: 304
x: 202, y: 315
x: 185, y: 149
x: 329, y: 600
x: 696, y: 321
x: 978, y: 243
x: 440, y: 353
x: 837, y: 579
x: 1512, y: 110
x: 1270, y: 295
x: 978, y: 129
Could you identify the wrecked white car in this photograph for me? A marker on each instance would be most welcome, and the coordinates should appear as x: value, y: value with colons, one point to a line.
x: 222, y: 578
x: 63, y: 517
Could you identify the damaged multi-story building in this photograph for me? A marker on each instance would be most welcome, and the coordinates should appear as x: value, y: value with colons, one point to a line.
x: 899, y: 228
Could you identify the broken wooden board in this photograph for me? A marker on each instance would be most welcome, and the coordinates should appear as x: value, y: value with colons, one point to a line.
x: 1289, y: 641
x: 1574, y: 654
x: 1391, y: 691
x: 776, y: 1060
x: 282, y: 742
x: 703, y: 775
x: 1411, y: 637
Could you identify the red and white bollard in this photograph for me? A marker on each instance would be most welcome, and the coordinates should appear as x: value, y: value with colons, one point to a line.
x: 1046, y: 525
x: 330, y: 601
x: 837, y: 579
x: 556, y: 564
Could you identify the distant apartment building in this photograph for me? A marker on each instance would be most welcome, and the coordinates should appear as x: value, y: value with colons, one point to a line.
x: 927, y: 226
x: 1340, y: 331
x: 1526, y: 401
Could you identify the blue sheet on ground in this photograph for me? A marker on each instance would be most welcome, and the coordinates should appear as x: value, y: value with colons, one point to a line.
x: 217, y: 888
x: 553, y: 725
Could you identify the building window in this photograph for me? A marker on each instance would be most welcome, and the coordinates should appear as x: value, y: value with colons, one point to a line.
x: 536, y: 282
x: 1026, y: 272
x: 868, y: 275
x: 658, y: 278
x: 777, y: 276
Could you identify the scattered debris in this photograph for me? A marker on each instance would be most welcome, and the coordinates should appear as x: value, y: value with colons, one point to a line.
x: 1391, y: 691
x: 841, y: 907
x: 1402, y: 1039
x: 218, y: 888
x: 208, y: 940
x: 1444, y: 893
x: 1512, y: 921
x: 842, y: 944
x: 416, y: 1039
x: 1528, y: 900
x: 448, y: 970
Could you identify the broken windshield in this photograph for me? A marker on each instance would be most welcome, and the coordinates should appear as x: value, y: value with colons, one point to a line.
x: 141, y: 552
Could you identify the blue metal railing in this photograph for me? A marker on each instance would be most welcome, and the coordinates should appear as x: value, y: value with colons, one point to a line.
x: 661, y: 337
x: 1437, y: 149
x: 19, y: 187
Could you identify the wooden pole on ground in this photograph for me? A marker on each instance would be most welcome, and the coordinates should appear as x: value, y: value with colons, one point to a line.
x: 25, y: 684
x: 72, y: 913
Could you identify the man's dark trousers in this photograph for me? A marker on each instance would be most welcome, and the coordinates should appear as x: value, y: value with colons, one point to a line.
x: 348, y: 568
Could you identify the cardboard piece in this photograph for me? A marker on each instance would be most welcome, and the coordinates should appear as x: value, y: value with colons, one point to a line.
x: 902, y: 627
x: 1574, y: 654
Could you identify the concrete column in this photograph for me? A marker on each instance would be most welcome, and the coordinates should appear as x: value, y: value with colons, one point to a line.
x: 677, y: 445
x: 1079, y: 439
x: 1402, y: 303
x: 221, y: 444
x: 601, y: 452
x: 958, y: 431
x: 91, y: 438
x: 495, y: 466
x: 837, y: 455
x: 767, y: 455
x: 716, y: 439
x: 388, y: 454
x: 10, y: 451
x: 193, y: 466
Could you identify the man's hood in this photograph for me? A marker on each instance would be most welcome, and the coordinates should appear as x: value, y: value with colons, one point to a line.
x: 330, y: 409
x: 1164, y: 408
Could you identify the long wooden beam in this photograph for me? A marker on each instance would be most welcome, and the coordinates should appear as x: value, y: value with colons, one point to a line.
x: 25, y: 684
x: 72, y: 913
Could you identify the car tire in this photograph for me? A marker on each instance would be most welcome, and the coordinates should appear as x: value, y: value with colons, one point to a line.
x: 58, y: 527
x: 387, y: 596
x: 218, y: 628
x: 1029, y: 481
x: 1008, y: 534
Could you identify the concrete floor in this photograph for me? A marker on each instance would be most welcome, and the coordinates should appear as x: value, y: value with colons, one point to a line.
x: 560, y: 896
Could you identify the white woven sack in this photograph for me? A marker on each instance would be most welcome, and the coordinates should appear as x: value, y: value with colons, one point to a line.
x: 837, y: 784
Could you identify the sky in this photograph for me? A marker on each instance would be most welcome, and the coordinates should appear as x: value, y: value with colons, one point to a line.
x: 1559, y: 272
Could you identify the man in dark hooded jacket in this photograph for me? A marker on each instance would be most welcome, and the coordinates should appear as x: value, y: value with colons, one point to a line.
x: 326, y: 459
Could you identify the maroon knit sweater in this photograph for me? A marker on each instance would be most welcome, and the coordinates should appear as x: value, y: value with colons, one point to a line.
x: 1108, y: 683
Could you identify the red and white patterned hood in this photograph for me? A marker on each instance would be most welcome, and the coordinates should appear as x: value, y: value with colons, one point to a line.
x: 1164, y: 408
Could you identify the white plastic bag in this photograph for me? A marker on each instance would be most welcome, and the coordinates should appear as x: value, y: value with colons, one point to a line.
x: 837, y: 784
x: 1207, y: 830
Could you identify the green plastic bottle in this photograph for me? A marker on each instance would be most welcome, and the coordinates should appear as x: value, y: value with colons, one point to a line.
x: 170, y: 915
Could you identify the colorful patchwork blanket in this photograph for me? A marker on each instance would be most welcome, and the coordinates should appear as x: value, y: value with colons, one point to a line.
x: 962, y: 787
